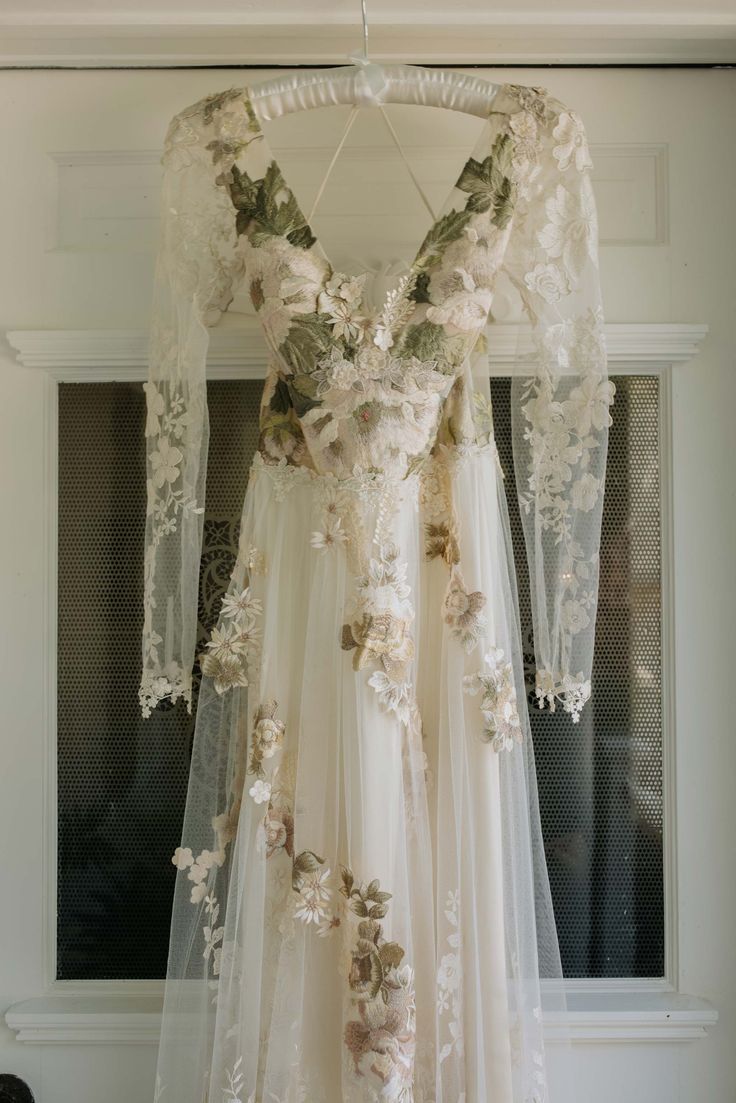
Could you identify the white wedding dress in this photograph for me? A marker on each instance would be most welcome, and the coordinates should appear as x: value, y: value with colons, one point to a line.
x: 362, y: 910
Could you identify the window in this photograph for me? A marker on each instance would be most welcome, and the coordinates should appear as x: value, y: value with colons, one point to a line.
x: 122, y: 780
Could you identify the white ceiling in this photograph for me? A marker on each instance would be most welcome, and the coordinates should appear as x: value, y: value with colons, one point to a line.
x: 270, y: 32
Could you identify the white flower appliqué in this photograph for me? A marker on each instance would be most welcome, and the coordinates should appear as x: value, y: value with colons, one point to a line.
x: 495, y: 683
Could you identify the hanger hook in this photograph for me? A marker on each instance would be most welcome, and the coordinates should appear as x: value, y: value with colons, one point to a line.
x: 371, y: 84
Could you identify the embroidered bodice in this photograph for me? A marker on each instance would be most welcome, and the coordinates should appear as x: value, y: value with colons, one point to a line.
x: 350, y: 386
x: 352, y: 390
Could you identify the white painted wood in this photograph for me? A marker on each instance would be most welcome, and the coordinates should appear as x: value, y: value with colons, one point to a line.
x: 298, y: 32
x: 107, y: 200
x: 136, y: 1020
x: 239, y: 352
x: 684, y: 271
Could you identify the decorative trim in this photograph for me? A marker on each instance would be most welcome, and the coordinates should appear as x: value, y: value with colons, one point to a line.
x: 453, y: 37
x: 95, y: 355
x: 136, y: 1020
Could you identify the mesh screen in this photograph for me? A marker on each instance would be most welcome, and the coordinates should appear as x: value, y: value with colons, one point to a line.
x: 600, y: 781
x: 122, y: 780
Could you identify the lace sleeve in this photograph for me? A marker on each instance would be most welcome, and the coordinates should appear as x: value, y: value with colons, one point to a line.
x: 560, y: 408
x: 198, y: 264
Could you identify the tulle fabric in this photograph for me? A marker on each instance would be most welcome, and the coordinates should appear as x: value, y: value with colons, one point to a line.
x: 258, y: 1002
x: 411, y: 969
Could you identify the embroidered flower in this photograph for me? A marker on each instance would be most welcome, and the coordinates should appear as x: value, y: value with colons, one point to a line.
x: 255, y: 561
x: 336, y: 372
x: 165, y: 463
x: 534, y: 99
x: 441, y: 543
x: 434, y: 490
x: 182, y: 857
x: 382, y: 1039
x: 234, y: 644
x: 268, y: 735
x: 584, y: 492
x: 226, y: 670
x: 311, y: 884
x: 278, y: 831
x: 574, y: 617
x: 548, y: 281
x: 448, y: 974
x: 225, y: 643
x: 284, y: 282
x: 341, y: 300
x: 449, y: 980
x: 572, y: 146
x: 394, y: 694
x: 570, y: 234
x: 495, y: 682
x: 329, y: 924
x: 465, y: 308
x: 462, y: 611
x: 330, y: 537
x: 242, y: 607
x: 523, y: 125
x: 198, y: 893
x: 589, y: 404
x: 260, y: 791
x: 315, y: 896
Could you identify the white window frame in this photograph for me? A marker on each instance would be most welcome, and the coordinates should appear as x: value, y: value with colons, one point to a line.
x: 105, y: 1012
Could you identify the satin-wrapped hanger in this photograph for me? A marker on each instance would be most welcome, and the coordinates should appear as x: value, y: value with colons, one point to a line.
x: 366, y: 83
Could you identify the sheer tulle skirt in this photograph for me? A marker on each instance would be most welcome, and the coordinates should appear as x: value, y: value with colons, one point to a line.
x: 362, y: 909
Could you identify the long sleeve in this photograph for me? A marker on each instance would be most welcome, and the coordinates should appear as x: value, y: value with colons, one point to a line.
x: 198, y: 264
x: 560, y: 406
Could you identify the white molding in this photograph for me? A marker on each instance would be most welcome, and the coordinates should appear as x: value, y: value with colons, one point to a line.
x: 430, y: 34
x: 668, y: 673
x: 50, y: 622
x: 239, y: 351
x: 136, y: 1019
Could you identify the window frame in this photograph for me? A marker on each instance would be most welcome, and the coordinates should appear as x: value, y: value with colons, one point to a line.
x: 615, y: 1009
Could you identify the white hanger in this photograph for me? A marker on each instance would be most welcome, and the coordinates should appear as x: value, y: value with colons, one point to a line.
x: 368, y: 84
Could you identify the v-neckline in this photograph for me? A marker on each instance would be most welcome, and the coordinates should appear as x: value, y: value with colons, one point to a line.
x: 481, y: 143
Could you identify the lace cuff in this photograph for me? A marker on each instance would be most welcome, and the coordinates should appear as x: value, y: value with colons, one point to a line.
x: 155, y: 688
x: 572, y: 691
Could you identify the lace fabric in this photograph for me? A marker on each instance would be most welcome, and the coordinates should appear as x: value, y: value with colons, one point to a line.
x: 362, y: 909
x: 535, y: 180
x: 199, y: 264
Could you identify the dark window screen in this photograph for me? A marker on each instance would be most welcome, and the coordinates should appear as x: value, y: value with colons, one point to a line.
x: 122, y: 780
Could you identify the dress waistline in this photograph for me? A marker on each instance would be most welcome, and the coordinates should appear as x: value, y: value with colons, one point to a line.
x: 369, y: 486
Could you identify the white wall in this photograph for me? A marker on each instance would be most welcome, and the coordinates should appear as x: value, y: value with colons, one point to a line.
x: 687, y: 278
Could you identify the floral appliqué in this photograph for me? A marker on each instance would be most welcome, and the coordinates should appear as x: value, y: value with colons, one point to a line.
x: 382, y: 1039
x: 234, y: 644
x: 379, y: 630
x: 449, y: 981
x: 462, y: 611
x: 495, y: 683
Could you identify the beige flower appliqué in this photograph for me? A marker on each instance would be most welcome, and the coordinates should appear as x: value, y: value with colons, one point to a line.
x: 462, y: 611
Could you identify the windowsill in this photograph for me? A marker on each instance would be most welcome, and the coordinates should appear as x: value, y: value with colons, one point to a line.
x: 592, y: 1017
